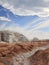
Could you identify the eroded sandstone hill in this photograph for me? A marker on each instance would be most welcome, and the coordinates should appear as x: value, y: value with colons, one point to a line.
x: 26, y: 53
x: 12, y: 37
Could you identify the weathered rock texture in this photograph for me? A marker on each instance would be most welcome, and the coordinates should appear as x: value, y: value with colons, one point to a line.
x: 17, y: 48
x: 25, y: 53
x: 41, y: 57
x: 12, y: 37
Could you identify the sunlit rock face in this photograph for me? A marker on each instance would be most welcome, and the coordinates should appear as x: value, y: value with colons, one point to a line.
x: 10, y: 37
x: 24, y: 53
x: 41, y: 57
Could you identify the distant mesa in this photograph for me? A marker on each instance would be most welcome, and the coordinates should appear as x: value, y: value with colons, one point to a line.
x: 12, y: 37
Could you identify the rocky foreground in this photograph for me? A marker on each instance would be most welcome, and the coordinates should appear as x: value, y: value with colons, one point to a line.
x: 28, y: 53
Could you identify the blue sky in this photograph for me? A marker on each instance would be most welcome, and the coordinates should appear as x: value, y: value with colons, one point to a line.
x: 28, y: 17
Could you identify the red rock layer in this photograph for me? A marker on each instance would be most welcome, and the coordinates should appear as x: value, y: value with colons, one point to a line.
x: 41, y: 57
x: 7, y: 50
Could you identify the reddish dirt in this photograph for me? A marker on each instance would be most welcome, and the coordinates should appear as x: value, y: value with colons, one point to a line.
x: 41, y: 57
x: 8, y: 51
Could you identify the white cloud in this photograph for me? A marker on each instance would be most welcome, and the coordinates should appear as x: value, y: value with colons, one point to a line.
x: 41, y: 25
x: 43, y: 12
x: 40, y: 8
x: 19, y: 11
x: 46, y: 0
x: 24, y: 12
x: 5, y: 19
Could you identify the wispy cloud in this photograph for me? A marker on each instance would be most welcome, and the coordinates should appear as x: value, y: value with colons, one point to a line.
x: 37, y: 23
x: 2, y: 27
x: 33, y: 32
x: 41, y: 25
x: 5, y: 19
x: 27, y: 7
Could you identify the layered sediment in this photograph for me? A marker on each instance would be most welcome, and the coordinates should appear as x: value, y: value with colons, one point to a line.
x: 26, y: 53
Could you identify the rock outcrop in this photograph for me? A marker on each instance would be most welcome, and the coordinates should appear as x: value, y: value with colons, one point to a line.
x: 41, y: 57
x: 12, y: 37
x: 35, y: 39
x: 26, y: 53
